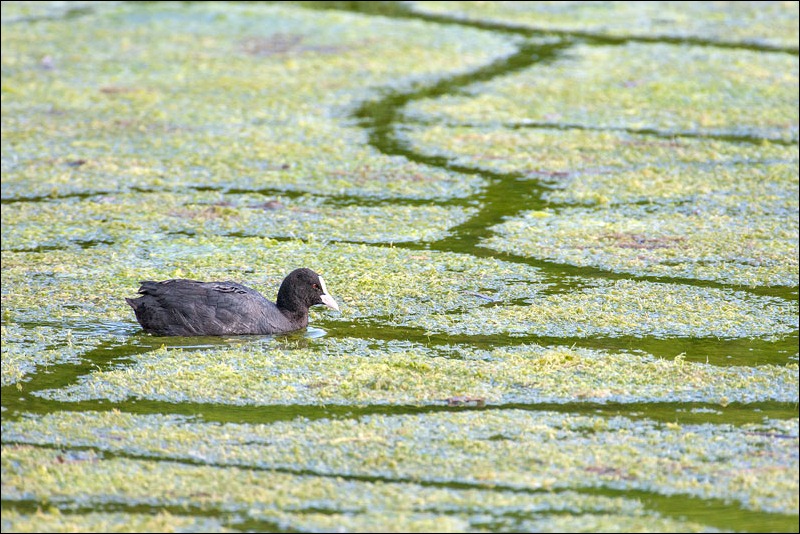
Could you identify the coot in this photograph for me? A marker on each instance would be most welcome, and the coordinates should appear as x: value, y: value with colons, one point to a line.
x: 192, y: 308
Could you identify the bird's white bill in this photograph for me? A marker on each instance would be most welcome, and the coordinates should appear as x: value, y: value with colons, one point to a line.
x: 327, y: 300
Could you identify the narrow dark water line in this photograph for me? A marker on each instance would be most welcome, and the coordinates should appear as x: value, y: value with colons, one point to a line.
x: 665, y: 412
x: 597, y: 38
x: 652, y: 132
x: 36, y: 199
x: 393, y: 9
x: 86, y: 195
x: 565, y: 277
x: 269, y: 192
x: 711, y: 350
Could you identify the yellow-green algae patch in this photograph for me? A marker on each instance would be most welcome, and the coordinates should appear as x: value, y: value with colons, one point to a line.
x: 626, y: 308
x: 745, y: 244
x: 358, y: 372
x: 611, y: 166
x: 757, y: 183
x: 53, y: 520
x: 367, y: 281
x: 293, y: 502
x: 118, y: 217
x: 753, y: 465
x: 642, y: 86
x: 764, y: 23
x: 232, y: 95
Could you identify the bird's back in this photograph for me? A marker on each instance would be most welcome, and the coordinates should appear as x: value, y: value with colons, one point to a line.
x: 192, y: 308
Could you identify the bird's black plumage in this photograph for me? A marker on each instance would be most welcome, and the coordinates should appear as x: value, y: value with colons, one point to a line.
x: 190, y: 308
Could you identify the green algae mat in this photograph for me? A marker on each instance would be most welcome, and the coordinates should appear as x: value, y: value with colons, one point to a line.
x: 563, y: 237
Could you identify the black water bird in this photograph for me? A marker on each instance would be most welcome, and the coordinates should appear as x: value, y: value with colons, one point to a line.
x: 191, y: 308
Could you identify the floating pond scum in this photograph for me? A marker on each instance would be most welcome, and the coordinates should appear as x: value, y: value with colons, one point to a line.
x: 563, y: 237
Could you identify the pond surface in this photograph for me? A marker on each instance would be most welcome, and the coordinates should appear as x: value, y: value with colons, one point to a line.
x: 565, y: 250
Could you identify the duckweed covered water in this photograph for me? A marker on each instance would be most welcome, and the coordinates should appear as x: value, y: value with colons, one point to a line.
x: 565, y: 251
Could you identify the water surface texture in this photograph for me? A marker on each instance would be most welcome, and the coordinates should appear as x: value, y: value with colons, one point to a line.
x: 563, y: 237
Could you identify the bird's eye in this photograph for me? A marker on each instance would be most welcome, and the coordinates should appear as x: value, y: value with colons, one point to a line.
x: 315, y: 286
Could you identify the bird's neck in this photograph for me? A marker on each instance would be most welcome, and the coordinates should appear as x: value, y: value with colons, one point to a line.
x: 289, y: 306
x: 296, y: 316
